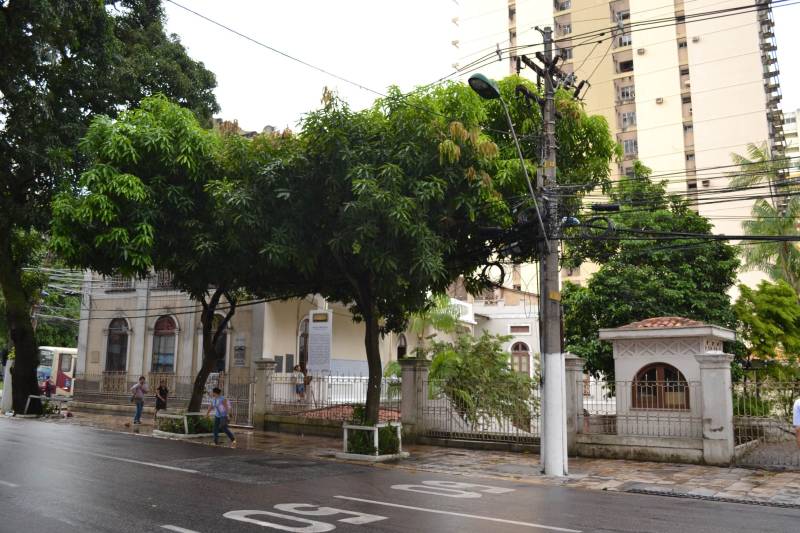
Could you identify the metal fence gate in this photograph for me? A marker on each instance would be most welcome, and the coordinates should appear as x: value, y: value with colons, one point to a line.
x: 449, y: 417
x: 113, y: 388
x: 762, y: 423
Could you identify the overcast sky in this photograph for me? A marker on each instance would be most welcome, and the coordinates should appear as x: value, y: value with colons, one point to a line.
x: 376, y: 43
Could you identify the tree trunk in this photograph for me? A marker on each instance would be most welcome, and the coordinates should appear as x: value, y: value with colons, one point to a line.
x: 210, y: 337
x: 18, y: 315
x: 371, y: 343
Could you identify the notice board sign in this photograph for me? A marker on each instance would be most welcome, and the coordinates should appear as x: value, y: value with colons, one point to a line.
x: 320, y: 335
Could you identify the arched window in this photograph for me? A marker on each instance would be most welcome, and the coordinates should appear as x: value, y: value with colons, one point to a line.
x: 402, y: 346
x: 521, y: 358
x: 164, y: 345
x: 117, y: 346
x: 660, y: 386
x: 222, y: 343
x: 302, y: 344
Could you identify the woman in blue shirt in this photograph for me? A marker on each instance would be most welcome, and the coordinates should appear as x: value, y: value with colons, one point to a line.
x: 221, y: 407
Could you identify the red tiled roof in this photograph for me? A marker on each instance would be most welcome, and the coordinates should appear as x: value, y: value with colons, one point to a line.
x: 663, y: 322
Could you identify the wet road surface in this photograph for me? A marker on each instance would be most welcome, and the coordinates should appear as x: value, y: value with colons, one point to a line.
x: 56, y: 477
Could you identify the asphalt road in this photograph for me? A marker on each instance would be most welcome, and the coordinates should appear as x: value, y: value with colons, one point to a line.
x: 56, y: 477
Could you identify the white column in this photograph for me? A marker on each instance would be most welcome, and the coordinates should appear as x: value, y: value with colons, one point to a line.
x: 414, y: 389
x: 574, y: 394
x: 715, y: 386
x: 554, y: 432
x: 83, y: 327
x: 136, y: 338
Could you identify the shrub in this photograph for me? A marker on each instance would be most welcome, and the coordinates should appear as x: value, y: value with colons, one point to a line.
x: 750, y: 405
x: 360, y: 441
x: 476, y: 375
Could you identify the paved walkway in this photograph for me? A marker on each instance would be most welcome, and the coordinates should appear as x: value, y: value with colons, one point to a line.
x: 738, y: 484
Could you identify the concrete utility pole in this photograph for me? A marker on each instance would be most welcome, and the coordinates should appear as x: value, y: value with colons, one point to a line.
x: 554, y: 421
x: 554, y: 443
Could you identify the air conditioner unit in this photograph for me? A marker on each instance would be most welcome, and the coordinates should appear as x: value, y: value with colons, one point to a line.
x: 659, y: 100
x: 696, y: 39
x: 640, y: 51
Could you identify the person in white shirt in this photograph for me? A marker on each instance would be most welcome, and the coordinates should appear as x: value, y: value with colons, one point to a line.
x: 796, y: 420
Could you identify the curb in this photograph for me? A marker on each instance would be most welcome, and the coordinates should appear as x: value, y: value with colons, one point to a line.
x: 763, y: 503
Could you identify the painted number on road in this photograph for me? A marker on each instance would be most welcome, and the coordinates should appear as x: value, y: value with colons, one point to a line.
x: 453, y: 489
x: 304, y: 509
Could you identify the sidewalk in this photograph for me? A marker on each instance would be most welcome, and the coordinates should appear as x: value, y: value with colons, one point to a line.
x: 733, y: 484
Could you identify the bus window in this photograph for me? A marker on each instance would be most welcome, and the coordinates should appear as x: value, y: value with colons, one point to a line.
x: 46, y: 358
x: 66, y: 363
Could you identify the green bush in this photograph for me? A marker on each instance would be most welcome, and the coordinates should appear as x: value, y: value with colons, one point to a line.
x: 476, y: 375
x: 197, y: 424
x: 750, y: 405
x: 200, y: 424
x: 360, y: 441
x: 170, y: 425
x: 49, y: 408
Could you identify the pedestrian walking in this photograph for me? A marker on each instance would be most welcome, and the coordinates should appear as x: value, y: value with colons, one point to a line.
x: 796, y: 420
x: 49, y: 388
x: 161, y: 397
x: 221, y: 407
x: 299, y: 379
x: 138, y: 392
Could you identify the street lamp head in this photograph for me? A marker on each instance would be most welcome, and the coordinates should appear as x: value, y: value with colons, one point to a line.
x: 485, y: 87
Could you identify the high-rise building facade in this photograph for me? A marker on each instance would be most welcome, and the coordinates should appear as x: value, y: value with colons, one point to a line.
x: 683, y: 84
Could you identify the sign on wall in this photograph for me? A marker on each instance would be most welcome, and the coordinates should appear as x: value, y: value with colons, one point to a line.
x: 239, y: 354
x: 320, y: 335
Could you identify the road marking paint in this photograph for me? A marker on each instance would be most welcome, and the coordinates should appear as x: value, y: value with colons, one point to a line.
x: 145, y: 463
x: 463, y: 515
x: 8, y: 484
x: 179, y: 529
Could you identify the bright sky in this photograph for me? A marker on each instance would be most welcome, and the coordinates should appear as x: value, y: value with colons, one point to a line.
x: 373, y: 42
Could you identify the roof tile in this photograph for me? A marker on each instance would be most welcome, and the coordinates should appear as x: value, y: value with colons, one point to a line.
x: 663, y: 322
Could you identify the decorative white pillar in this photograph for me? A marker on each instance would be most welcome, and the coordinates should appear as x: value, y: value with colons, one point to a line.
x: 715, y: 386
x: 414, y: 390
x: 262, y: 403
x: 574, y: 387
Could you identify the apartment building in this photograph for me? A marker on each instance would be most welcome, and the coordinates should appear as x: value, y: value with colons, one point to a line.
x: 681, y: 95
x: 790, y: 133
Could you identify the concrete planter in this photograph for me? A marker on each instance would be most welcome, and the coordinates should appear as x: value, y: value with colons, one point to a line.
x: 377, y: 457
x: 184, y: 417
x: 180, y: 436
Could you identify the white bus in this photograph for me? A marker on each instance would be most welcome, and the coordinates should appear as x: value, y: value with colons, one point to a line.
x: 58, y: 365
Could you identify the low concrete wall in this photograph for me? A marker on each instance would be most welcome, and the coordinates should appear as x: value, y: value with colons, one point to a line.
x: 676, y: 450
x: 302, y: 426
x: 108, y: 408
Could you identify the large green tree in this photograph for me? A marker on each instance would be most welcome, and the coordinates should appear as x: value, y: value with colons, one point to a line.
x: 61, y: 63
x: 163, y: 193
x: 397, y: 201
x: 641, y: 274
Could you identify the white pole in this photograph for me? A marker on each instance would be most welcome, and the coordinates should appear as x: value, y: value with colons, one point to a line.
x: 554, y: 432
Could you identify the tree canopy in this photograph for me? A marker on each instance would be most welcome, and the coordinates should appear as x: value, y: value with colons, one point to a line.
x: 61, y: 63
x: 163, y: 193
x: 641, y: 277
x: 769, y: 320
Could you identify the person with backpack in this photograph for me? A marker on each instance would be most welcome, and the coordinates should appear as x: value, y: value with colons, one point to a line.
x: 138, y: 392
x: 221, y: 407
